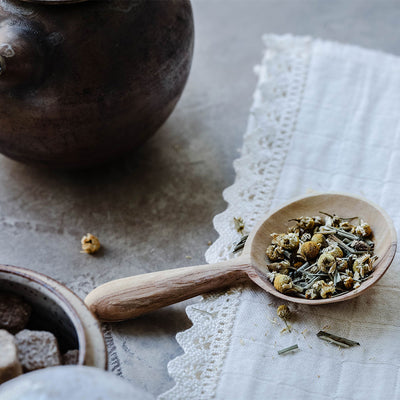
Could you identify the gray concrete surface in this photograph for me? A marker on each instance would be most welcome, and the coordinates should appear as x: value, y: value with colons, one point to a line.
x: 155, y: 208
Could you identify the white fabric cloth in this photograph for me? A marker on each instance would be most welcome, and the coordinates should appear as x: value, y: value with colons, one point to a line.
x: 325, y: 118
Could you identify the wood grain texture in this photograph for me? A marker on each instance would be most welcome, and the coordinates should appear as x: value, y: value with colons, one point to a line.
x: 129, y: 297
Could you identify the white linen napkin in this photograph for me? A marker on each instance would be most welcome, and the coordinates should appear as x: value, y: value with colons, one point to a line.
x: 325, y: 118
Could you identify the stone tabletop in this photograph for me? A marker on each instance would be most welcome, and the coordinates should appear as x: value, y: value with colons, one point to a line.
x: 153, y: 210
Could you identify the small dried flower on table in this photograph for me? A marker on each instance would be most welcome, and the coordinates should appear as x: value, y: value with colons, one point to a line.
x: 90, y: 244
x: 239, y: 224
x: 283, y: 312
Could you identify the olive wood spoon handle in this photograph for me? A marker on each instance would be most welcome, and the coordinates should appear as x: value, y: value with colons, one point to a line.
x: 130, y: 297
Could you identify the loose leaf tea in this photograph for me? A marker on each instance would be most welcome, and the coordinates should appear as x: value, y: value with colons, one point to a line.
x: 321, y: 257
x: 239, y: 245
x: 288, y: 349
x: 339, y: 341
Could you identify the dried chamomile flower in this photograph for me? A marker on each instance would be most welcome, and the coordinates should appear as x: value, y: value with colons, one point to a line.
x: 326, y: 262
x: 305, y: 237
x: 283, y: 312
x: 346, y: 226
x: 306, y: 223
x: 90, y: 244
x: 283, y: 283
x: 363, y: 265
x: 311, y: 294
x: 333, y: 249
x: 289, y: 241
x: 309, y: 250
x: 298, y: 264
x: 349, y: 273
x: 363, y: 229
x: 239, y: 224
x: 274, y: 252
x: 348, y: 282
x: 319, y: 238
x: 282, y: 267
x: 324, y: 289
x: 331, y: 220
x: 294, y: 229
x: 356, y: 276
x: 271, y: 276
x: 336, y: 221
x: 341, y: 264
x: 318, y: 220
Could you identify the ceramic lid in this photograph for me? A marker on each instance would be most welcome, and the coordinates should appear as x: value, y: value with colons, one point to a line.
x: 71, y: 383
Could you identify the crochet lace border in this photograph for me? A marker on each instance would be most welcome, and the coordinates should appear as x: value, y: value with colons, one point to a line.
x: 273, y: 115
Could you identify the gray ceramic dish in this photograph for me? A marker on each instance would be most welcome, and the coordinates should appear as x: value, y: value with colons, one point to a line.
x: 71, y: 383
x: 59, y: 310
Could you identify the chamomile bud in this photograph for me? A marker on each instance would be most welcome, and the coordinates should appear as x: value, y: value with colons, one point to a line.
x: 283, y: 283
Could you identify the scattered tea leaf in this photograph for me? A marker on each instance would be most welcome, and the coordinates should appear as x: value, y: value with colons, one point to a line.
x: 239, y: 245
x: 288, y: 349
x: 339, y: 341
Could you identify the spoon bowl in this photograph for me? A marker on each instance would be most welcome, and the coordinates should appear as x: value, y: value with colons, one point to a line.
x: 130, y: 297
x: 344, y: 205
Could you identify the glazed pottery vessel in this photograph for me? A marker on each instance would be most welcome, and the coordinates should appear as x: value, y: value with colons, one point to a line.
x: 56, y: 309
x: 71, y: 383
x: 85, y: 81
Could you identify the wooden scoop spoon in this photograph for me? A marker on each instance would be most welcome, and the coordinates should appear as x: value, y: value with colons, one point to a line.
x: 130, y: 297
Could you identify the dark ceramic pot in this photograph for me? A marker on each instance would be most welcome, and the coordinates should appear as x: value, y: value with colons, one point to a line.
x: 83, y: 82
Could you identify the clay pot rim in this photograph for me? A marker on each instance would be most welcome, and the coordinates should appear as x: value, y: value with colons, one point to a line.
x: 54, y: 289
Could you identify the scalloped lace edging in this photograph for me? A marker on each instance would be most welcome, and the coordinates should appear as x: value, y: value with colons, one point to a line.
x: 282, y: 76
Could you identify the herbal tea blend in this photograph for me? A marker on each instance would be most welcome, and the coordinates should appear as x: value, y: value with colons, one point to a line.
x: 320, y: 257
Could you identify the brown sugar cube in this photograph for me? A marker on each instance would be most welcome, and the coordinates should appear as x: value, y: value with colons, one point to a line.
x: 71, y: 357
x: 14, y: 312
x: 10, y: 366
x: 37, y: 349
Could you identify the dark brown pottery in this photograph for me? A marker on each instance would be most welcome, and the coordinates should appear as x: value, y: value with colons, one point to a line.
x: 83, y: 82
x: 56, y: 309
